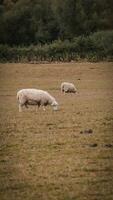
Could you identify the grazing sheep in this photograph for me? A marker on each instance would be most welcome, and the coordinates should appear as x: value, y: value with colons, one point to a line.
x: 68, y: 87
x: 35, y: 97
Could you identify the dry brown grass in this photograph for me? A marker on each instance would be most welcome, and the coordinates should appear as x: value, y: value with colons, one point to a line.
x: 43, y: 155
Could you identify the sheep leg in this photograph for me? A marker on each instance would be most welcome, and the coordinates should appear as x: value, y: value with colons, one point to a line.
x: 20, y: 108
x: 44, y: 108
x: 37, y: 107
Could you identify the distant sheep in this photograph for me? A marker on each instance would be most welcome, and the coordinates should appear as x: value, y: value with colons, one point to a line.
x: 68, y: 87
x: 35, y: 97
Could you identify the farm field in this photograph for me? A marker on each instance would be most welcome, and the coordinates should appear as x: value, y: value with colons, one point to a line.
x: 62, y: 155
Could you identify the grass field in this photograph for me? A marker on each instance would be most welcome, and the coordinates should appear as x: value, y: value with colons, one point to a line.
x: 49, y: 155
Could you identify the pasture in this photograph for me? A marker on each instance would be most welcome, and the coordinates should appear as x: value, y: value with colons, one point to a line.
x: 62, y: 155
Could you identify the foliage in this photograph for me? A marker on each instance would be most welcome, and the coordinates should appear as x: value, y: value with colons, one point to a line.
x: 26, y: 22
x: 95, y: 47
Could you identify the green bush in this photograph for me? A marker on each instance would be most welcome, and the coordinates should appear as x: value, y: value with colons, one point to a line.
x: 96, y: 47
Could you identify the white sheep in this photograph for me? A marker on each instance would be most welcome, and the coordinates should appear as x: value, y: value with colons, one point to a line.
x: 68, y: 87
x: 35, y: 97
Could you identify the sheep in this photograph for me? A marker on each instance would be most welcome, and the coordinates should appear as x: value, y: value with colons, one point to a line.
x: 35, y: 97
x: 68, y: 87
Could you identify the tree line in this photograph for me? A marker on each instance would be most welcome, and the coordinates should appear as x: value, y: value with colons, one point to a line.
x: 40, y: 22
x: 95, y: 47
